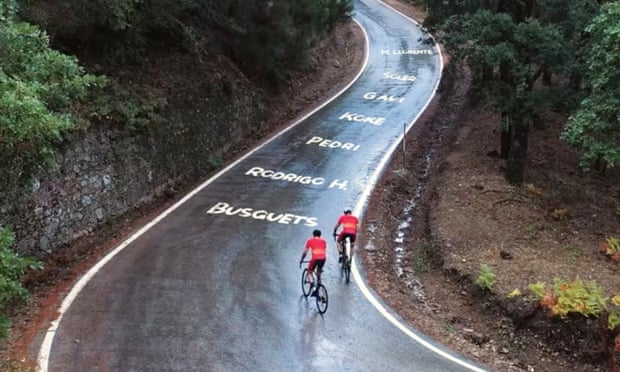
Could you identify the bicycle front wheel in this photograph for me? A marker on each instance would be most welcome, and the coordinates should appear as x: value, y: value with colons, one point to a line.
x: 321, y: 299
x: 305, y: 283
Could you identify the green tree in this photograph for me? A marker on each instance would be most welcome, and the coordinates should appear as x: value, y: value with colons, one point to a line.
x: 506, y: 58
x: 572, y: 17
x: 39, y: 88
x: 278, y: 38
x: 267, y: 39
x: 595, y: 127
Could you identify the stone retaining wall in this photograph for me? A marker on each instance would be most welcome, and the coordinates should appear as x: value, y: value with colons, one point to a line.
x: 107, y: 172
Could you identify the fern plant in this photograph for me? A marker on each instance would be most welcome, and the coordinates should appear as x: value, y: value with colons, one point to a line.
x: 486, y: 278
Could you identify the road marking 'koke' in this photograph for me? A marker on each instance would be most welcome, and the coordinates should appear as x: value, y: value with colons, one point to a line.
x: 352, y: 116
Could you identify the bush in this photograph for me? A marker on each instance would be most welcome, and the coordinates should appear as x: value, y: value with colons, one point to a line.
x: 486, y: 278
x: 39, y: 91
x: 570, y: 297
x: 12, y: 268
x: 611, y: 248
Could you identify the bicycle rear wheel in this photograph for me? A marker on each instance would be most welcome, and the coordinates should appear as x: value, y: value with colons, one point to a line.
x: 305, y: 284
x: 346, y: 269
x: 346, y: 265
x: 321, y: 299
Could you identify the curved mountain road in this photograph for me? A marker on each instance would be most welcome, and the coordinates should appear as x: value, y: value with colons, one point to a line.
x: 212, y: 284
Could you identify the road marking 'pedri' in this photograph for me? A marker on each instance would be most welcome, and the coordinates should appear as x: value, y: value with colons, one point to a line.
x: 46, y: 346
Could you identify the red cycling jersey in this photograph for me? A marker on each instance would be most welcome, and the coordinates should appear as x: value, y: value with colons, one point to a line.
x: 349, y: 224
x: 317, y: 246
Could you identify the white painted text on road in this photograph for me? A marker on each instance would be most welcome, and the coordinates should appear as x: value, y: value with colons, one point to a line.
x: 351, y: 116
x: 407, y: 51
x: 332, y: 144
x: 374, y: 96
x: 392, y: 76
x: 289, y: 177
x: 259, y: 214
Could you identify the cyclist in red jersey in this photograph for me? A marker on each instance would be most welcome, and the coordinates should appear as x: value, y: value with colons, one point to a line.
x: 318, y: 249
x: 349, y: 225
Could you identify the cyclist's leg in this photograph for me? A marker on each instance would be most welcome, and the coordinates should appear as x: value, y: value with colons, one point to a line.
x: 353, y: 236
x: 340, y: 245
x: 318, y: 265
x: 311, y: 265
x: 319, y: 268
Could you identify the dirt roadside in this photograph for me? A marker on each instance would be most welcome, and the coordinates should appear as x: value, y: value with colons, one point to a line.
x: 445, y: 209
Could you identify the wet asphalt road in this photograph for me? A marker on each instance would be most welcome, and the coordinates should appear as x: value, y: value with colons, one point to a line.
x: 215, y: 284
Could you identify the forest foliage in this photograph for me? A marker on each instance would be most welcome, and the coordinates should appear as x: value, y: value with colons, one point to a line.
x: 528, y: 56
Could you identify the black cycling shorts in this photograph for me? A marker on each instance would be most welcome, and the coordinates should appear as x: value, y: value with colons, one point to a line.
x: 318, y: 262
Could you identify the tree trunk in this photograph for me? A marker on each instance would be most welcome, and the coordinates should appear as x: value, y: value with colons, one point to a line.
x: 575, y: 80
x: 505, y: 136
x: 546, y: 78
x: 518, y: 150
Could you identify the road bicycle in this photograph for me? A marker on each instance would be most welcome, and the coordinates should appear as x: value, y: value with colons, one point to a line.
x: 345, y: 263
x: 307, y: 287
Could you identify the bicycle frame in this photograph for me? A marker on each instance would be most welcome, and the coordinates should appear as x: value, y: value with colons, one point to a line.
x: 316, y: 273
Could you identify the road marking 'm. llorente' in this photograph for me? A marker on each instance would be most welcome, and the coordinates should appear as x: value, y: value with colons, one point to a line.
x: 46, y: 346
x: 407, y: 52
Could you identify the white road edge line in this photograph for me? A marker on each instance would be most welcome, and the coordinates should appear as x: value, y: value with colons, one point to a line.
x: 46, y: 345
x: 359, y: 207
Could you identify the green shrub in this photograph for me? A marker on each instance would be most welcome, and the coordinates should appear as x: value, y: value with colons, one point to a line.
x: 486, y: 278
x: 613, y: 319
x: 566, y: 297
x: 12, y: 268
x: 611, y: 248
x: 39, y: 93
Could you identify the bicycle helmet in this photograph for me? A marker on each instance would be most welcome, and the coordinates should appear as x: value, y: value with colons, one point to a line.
x: 316, y: 233
x: 347, y: 210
